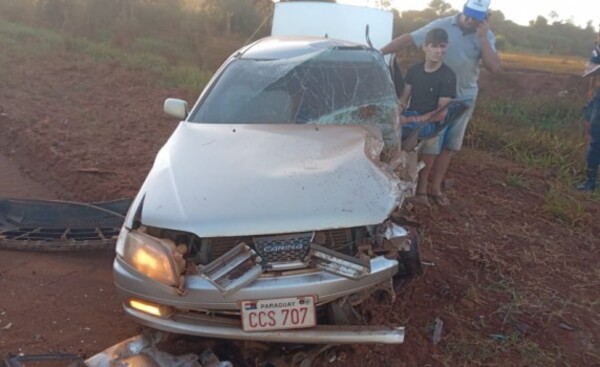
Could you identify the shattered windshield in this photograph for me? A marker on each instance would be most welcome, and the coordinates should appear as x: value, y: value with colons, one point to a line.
x: 334, y: 86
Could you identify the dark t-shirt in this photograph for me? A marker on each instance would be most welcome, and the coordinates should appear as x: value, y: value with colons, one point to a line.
x: 427, y: 88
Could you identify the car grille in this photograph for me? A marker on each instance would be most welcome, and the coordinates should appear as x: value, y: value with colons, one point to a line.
x: 288, y: 248
x: 283, y: 249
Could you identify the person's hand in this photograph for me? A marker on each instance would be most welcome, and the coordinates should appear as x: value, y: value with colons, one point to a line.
x: 408, y: 119
x: 483, y: 28
x: 403, y: 120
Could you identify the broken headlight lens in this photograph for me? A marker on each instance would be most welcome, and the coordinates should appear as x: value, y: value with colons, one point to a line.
x: 150, y: 256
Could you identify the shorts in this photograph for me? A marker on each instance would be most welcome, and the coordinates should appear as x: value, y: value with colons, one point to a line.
x: 426, y: 128
x: 451, y: 137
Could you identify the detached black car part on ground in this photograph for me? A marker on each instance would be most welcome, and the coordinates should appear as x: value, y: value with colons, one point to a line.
x: 44, y: 225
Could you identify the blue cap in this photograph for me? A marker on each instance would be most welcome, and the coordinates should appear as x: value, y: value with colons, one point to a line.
x: 593, y: 66
x: 477, y: 9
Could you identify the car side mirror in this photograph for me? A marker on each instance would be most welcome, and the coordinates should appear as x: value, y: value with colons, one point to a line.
x: 176, y: 108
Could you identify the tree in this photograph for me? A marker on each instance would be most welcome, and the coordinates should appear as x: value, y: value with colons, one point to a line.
x: 540, y: 21
x: 240, y: 16
x: 382, y: 4
x: 554, y: 16
x: 440, y: 7
x: 500, y: 42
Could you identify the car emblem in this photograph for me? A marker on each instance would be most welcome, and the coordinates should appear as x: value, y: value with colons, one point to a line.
x: 284, y: 248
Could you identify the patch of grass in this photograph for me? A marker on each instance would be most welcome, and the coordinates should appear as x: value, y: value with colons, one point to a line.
x: 153, y: 45
x: 516, y: 181
x: 476, y: 349
x: 565, y: 208
x: 545, y: 132
x: 21, y: 33
x: 150, y: 58
x: 98, y: 51
x: 167, y: 49
x: 188, y: 77
x: 146, y: 61
x: 550, y: 63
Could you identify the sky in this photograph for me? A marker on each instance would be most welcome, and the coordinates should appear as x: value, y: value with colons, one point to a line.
x: 519, y: 11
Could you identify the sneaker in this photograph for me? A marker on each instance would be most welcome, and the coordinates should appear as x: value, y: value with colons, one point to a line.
x: 586, y: 186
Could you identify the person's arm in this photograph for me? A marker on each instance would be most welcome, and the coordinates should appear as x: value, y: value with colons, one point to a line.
x: 491, y: 59
x: 398, y: 43
x: 403, y: 100
x: 440, y: 115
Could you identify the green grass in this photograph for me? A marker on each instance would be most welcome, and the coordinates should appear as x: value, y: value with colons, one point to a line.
x: 540, y: 132
x: 550, y: 63
x: 565, y: 208
x: 516, y: 181
x: 536, y: 131
x: 149, y: 56
x: 189, y: 77
x: 485, y: 341
x: 481, y: 349
x: 21, y: 33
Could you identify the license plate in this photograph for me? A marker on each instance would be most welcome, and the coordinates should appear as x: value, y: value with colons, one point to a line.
x: 278, y: 314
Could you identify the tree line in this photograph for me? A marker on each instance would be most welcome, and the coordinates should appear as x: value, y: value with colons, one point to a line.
x: 554, y: 36
x: 191, y: 21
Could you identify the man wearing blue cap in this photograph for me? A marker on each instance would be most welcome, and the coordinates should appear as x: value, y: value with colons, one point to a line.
x: 469, y: 41
x: 592, y: 117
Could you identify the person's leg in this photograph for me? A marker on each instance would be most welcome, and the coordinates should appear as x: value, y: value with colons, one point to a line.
x: 451, y: 143
x: 439, y: 171
x: 429, y: 160
x: 428, y: 153
x: 593, y: 160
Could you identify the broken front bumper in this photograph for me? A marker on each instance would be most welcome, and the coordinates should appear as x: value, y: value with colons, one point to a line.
x: 216, y: 327
x: 204, y: 298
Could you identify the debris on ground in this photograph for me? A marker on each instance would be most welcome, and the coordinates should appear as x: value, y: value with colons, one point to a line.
x: 437, y: 331
x: 566, y: 326
x: 142, y: 351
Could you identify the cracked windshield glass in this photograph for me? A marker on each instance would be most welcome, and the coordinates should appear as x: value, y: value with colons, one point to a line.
x: 335, y: 86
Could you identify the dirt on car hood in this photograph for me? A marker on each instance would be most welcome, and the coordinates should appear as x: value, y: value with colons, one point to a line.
x: 235, y: 180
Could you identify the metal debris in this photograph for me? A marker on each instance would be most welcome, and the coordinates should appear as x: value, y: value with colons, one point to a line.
x: 566, y: 326
x: 142, y: 351
x: 498, y: 337
x: 437, y: 331
x: 306, y: 359
x: 70, y: 360
x: 521, y: 326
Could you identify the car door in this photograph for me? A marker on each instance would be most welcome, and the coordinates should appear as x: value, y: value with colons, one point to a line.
x: 396, y: 74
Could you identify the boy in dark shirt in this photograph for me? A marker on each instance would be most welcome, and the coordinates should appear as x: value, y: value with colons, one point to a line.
x: 429, y: 85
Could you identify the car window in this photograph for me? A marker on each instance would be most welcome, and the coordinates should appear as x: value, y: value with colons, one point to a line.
x: 335, y: 86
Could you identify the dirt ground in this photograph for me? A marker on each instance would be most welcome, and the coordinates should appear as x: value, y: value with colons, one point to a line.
x: 512, y: 285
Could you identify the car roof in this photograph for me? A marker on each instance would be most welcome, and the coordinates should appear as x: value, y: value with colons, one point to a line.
x: 283, y: 47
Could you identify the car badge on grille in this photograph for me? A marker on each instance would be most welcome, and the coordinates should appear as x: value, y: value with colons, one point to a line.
x: 284, y: 248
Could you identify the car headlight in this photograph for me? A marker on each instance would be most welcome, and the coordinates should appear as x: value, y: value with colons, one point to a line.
x: 150, y: 256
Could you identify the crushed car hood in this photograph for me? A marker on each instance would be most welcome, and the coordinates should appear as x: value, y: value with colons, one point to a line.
x: 237, y: 180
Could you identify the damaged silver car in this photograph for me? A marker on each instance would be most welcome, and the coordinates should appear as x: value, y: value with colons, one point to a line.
x: 269, y: 213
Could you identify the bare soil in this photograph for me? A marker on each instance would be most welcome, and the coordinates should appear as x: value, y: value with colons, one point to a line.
x: 513, y: 285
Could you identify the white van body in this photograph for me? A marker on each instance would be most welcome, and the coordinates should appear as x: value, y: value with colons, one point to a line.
x: 341, y: 21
